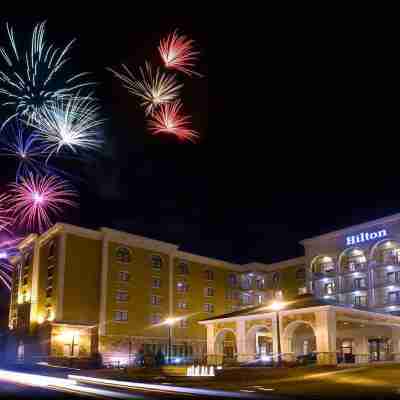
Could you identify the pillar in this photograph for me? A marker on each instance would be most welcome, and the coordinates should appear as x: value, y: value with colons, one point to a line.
x: 325, y: 334
x: 212, y: 357
x: 242, y: 355
x: 274, y: 328
x: 362, y: 353
x: 396, y: 343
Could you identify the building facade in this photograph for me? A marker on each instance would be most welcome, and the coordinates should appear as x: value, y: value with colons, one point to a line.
x: 78, y: 293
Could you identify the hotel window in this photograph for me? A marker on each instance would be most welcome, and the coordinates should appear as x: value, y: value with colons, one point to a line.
x: 156, y: 262
x: 155, y: 319
x: 155, y: 300
x: 209, y: 292
x: 156, y: 283
x: 246, y: 299
x: 183, y: 323
x: 182, y: 305
x: 300, y: 273
x: 360, y: 301
x: 52, y: 249
x: 246, y: 283
x: 359, y: 283
x: 209, y: 275
x: 393, y: 277
x: 275, y: 278
x: 232, y: 280
x: 394, y: 297
x: 123, y: 255
x: 260, y: 283
x: 259, y: 298
x: 120, y: 315
x: 327, y: 267
x: 183, y: 268
x: 329, y: 288
x: 182, y: 287
x: 209, y: 307
x: 121, y: 295
x: 123, y: 276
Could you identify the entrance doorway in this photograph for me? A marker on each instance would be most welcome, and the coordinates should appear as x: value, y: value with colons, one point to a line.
x: 378, y: 349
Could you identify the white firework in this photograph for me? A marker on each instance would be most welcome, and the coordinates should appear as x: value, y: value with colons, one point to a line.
x: 73, y: 124
x: 154, y: 87
x: 35, y: 77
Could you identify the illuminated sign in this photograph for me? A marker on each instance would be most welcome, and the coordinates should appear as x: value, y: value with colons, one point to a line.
x: 365, y: 237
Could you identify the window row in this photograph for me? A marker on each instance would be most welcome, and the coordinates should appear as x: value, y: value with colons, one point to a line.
x: 125, y: 255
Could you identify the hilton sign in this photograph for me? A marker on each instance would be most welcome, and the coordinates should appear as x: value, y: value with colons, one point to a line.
x: 365, y: 237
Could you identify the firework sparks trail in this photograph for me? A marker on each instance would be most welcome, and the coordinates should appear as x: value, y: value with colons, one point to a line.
x: 7, y: 249
x: 72, y: 124
x: 25, y: 147
x: 154, y: 88
x: 5, y: 219
x: 38, y: 198
x: 35, y: 77
x: 169, y: 119
x: 177, y: 52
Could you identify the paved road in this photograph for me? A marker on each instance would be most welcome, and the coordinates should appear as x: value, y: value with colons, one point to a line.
x: 22, y: 385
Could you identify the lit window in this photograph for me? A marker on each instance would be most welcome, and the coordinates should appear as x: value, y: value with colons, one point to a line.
x: 121, y: 295
x: 155, y: 319
x: 123, y: 255
x: 209, y: 307
x: 155, y: 300
x: 359, y: 283
x: 259, y: 299
x: 260, y: 283
x: 275, y: 278
x: 209, y: 275
x: 330, y: 288
x: 120, y: 315
x: 393, y: 277
x: 123, y: 276
x: 360, y: 301
x: 156, y: 283
x: 156, y: 262
x: 246, y: 299
x: 183, y: 323
x: 232, y: 279
x: 183, y: 268
x: 182, y: 287
x: 182, y: 305
x: 209, y: 292
x: 394, y: 297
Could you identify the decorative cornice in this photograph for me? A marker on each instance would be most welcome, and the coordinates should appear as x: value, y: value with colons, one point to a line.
x: 209, y: 261
x: 260, y: 267
x: 139, y: 241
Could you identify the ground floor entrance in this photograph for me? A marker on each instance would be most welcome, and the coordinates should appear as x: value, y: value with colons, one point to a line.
x: 325, y: 335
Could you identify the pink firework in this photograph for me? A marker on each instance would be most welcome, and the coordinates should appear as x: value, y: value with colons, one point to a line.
x: 38, y: 198
x: 169, y: 119
x: 177, y: 52
x: 5, y: 219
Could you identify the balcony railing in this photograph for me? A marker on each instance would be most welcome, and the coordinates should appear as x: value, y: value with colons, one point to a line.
x: 353, y: 288
x: 321, y: 275
x: 361, y: 267
x: 386, y: 282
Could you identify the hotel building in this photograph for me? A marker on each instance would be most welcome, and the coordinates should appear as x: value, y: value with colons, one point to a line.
x: 78, y: 293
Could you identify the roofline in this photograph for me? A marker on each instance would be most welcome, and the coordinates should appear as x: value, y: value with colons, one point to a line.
x: 291, y: 262
x: 379, y: 221
x: 211, y: 261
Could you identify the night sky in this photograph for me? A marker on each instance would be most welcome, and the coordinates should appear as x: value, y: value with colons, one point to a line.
x: 303, y: 139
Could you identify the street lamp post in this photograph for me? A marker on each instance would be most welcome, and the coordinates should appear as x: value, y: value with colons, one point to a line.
x: 277, y: 306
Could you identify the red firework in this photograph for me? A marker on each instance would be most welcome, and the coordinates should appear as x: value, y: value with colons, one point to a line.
x: 169, y: 119
x: 38, y: 198
x: 177, y: 52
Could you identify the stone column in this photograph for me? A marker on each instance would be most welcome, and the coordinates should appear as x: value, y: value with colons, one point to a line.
x: 325, y: 334
x: 396, y: 343
x: 242, y: 355
x: 362, y: 350
x: 274, y: 328
x: 211, y: 356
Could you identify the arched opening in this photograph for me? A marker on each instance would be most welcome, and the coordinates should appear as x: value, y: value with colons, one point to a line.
x: 259, y: 342
x: 225, y: 345
x: 352, y: 260
x: 386, y: 252
x: 322, y: 265
x: 298, y: 342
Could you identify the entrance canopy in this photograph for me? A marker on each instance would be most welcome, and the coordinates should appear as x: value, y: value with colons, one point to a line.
x: 305, y: 326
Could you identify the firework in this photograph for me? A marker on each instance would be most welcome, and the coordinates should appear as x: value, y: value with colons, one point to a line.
x: 37, y: 199
x: 177, y: 52
x: 8, y: 248
x: 35, y: 77
x: 72, y: 124
x: 154, y: 87
x: 5, y: 219
x: 25, y: 148
x: 169, y: 119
